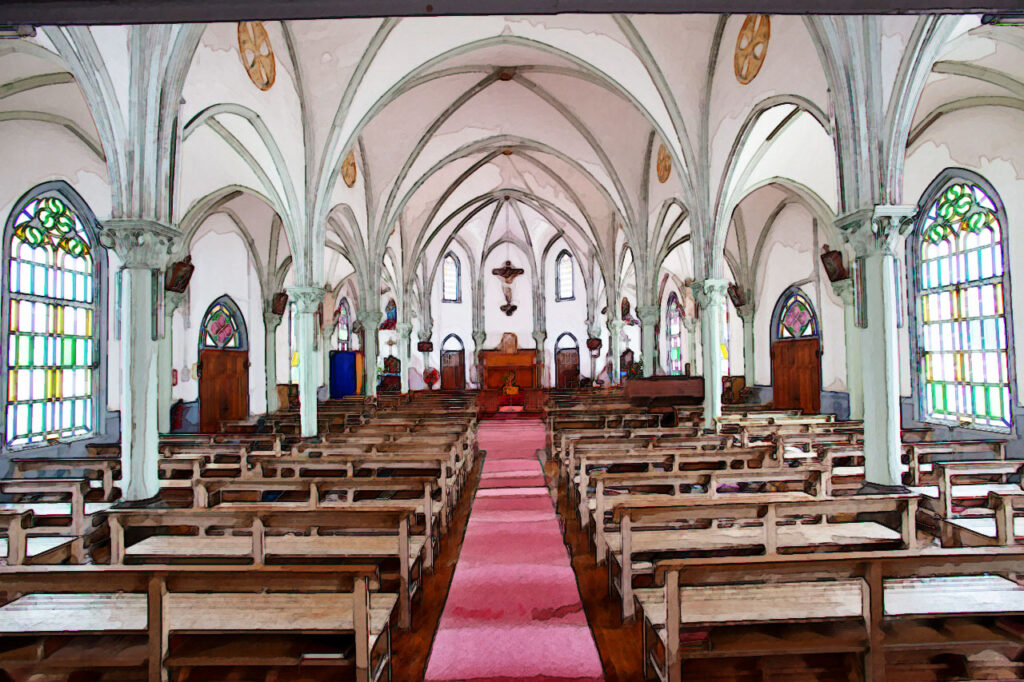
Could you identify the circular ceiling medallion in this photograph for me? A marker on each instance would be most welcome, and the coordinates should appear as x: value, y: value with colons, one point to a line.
x: 664, y: 164
x: 348, y: 169
x: 256, y: 53
x: 752, y: 46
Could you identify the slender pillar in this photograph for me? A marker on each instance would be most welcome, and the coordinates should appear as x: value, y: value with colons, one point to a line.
x: 307, y: 299
x: 539, y: 337
x: 854, y: 380
x: 405, y: 351
x: 874, y: 233
x: 615, y: 348
x: 370, y: 319
x: 479, y: 337
x: 271, y: 321
x: 746, y: 314
x: 690, y: 323
x: 165, y: 353
x: 648, y: 336
x: 143, y: 247
x: 424, y: 336
x: 711, y: 298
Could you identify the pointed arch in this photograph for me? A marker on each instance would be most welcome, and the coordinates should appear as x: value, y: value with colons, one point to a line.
x: 223, y: 326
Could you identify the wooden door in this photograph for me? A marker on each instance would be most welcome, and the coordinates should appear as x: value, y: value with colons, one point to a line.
x: 567, y: 368
x: 223, y: 387
x: 796, y: 375
x: 453, y: 370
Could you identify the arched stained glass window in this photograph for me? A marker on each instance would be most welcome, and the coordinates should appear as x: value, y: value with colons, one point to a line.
x: 344, y: 325
x: 451, y: 273
x: 564, y: 290
x: 674, y: 325
x: 963, y: 350
x: 52, y: 297
x: 223, y: 327
x: 293, y: 344
x: 796, y: 318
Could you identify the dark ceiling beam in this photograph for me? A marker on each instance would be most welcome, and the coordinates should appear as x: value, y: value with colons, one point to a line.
x: 40, y: 12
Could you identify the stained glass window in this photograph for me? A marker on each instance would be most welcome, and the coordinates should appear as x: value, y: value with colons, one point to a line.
x: 564, y: 277
x: 221, y: 328
x: 451, y: 273
x: 796, y: 317
x: 964, y: 358
x: 344, y: 325
x: 293, y: 344
x: 674, y: 313
x: 51, y: 342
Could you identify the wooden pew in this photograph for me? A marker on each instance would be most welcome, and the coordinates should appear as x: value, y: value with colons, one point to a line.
x: 876, y: 602
x: 767, y: 525
x: 120, y: 619
x: 336, y: 535
x: 103, y: 468
x: 58, y: 505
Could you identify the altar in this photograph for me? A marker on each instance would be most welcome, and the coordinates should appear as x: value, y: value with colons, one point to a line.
x: 510, y: 378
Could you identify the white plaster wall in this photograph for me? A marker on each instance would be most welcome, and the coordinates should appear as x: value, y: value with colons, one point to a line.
x: 496, y: 322
x: 790, y: 256
x: 994, y: 149
x: 223, y: 266
x: 564, y: 316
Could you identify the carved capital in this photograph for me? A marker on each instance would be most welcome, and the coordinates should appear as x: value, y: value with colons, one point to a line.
x: 877, y: 229
x: 690, y: 323
x: 479, y: 336
x: 746, y: 311
x: 404, y: 330
x: 539, y: 336
x: 271, y: 320
x: 306, y: 299
x: 143, y: 244
x: 615, y: 326
x: 648, y: 313
x: 710, y: 292
x: 425, y: 334
x: 844, y: 290
x: 370, y: 319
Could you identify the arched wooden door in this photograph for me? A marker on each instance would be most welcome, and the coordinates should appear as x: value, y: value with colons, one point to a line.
x: 796, y: 354
x: 223, y: 366
x: 567, y: 362
x: 453, y: 364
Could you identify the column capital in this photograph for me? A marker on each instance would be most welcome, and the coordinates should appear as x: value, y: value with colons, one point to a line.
x: 479, y: 336
x: 615, y: 325
x: 404, y: 330
x: 844, y: 289
x: 539, y: 336
x: 370, y: 319
x: 172, y: 301
x: 143, y: 244
x: 307, y: 299
x: 690, y: 323
x: 648, y: 313
x: 425, y: 334
x: 709, y: 292
x: 271, y: 320
x: 746, y: 311
x: 876, y: 229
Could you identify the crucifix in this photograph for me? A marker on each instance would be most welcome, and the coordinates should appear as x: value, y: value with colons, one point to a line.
x: 507, y: 273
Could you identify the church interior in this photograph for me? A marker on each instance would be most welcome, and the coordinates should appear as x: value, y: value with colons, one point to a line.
x: 581, y: 346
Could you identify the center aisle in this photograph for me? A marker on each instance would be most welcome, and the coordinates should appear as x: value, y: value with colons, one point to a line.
x: 513, y: 611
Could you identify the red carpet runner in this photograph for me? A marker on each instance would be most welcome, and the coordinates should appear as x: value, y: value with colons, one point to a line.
x: 513, y: 611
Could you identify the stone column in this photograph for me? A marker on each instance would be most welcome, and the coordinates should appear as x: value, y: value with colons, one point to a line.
x: 165, y: 353
x: 479, y: 337
x: 143, y: 247
x: 844, y: 289
x: 874, y: 233
x: 690, y: 323
x: 271, y: 321
x: 405, y: 351
x: 370, y: 319
x: 615, y: 348
x: 424, y: 336
x: 746, y: 313
x: 648, y: 336
x: 711, y: 298
x: 326, y: 346
x: 539, y: 337
x: 307, y: 299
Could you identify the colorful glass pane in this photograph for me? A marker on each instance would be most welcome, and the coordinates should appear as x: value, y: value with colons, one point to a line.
x: 962, y: 330
x: 797, y: 319
x: 675, y: 334
x: 344, y: 324
x: 50, y: 343
x: 220, y: 329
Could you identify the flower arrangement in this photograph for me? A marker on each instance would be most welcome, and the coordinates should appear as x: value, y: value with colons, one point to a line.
x: 431, y: 377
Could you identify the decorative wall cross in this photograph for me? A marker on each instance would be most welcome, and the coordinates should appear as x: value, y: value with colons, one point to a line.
x: 507, y: 273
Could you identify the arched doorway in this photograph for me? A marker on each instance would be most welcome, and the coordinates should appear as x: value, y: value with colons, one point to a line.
x: 567, y: 361
x: 796, y: 353
x: 453, y: 364
x: 223, y: 366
